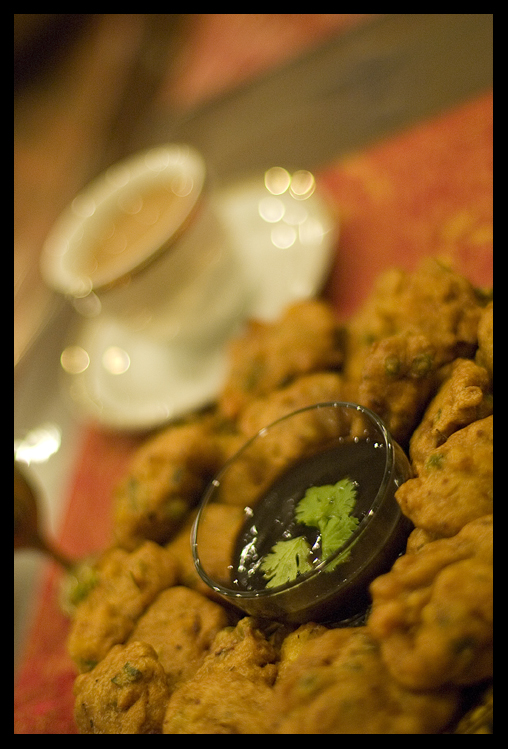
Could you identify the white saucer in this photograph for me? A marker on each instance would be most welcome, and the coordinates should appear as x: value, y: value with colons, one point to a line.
x: 306, y: 236
x: 128, y: 382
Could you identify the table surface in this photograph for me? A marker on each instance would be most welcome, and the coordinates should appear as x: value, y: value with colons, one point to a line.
x: 412, y: 186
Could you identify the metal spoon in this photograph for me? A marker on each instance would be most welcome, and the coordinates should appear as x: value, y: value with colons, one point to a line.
x: 27, y: 533
x: 81, y: 575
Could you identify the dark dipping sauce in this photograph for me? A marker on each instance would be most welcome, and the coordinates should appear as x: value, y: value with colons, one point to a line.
x: 259, y: 489
x: 379, y: 538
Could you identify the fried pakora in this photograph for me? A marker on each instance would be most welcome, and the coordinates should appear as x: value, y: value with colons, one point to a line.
x: 456, y: 484
x: 166, y: 478
x: 434, y: 301
x: 463, y: 397
x: 294, y: 643
x: 180, y: 625
x: 418, y: 538
x: 164, y: 655
x: 339, y: 684
x: 126, y: 693
x: 126, y: 584
x: 231, y: 691
x: 432, y: 614
x: 269, y: 355
x: 398, y: 377
x: 276, y: 450
x: 216, y: 544
x: 318, y: 387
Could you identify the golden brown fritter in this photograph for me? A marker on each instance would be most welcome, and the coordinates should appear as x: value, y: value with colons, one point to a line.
x: 456, y: 484
x: 418, y: 538
x: 127, y: 583
x: 216, y: 544
x: 371, y: 323
x: 276, y: 450
x: 339, y: 684
x: 421, y: 346
x: 318, y: 387
x: 463, y: 397
x: 165, y: 480
x: 126, y: 693
x: 180, y: 625
x: 432, y: 614
x: 230, y: 692
x: 294, y: 643
x: 397, y: 380
x: 433, y: 300
x: 269, y: 355
x: 485, y: 353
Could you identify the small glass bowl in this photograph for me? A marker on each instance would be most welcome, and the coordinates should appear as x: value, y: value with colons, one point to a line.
x: 250, y: 505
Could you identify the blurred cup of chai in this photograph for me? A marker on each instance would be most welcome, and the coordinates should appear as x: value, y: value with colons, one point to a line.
x: 144, y: 244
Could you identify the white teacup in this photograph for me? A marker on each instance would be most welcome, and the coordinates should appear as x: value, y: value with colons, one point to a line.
x: 143, y: 244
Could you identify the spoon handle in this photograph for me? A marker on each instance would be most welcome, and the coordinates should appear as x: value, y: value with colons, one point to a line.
x: 26, y: 523
x: 45, y: 547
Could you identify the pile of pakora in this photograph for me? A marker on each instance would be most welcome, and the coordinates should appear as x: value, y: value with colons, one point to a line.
x: 157, y: 652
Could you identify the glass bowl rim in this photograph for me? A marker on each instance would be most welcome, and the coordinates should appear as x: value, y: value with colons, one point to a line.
x: 231, y: 593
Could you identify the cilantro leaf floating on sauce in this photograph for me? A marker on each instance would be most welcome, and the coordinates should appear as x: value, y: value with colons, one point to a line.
x: 286, y: 561
x: 327, y: 508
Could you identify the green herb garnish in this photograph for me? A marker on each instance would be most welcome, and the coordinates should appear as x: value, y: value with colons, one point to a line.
x: 286, y: 561
x: 327, y: 508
